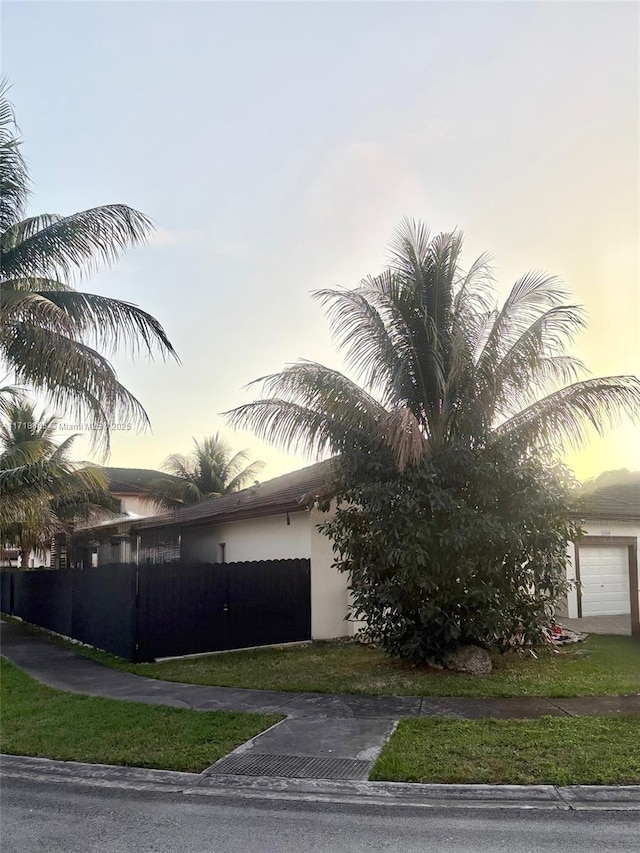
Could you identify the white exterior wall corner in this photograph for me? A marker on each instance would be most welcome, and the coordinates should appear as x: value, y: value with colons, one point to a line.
x: 329, y: 587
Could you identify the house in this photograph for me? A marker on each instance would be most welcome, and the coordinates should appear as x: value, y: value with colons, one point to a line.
x: 273, y: 520
x: 605, y: 560
x: 9, y: 558
x: 131, y: 487
x: 278, y: 520
x: 108, y: 540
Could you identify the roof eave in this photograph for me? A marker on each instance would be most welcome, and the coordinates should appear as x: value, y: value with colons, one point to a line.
x: 225, y: 517
x: 605, y: 516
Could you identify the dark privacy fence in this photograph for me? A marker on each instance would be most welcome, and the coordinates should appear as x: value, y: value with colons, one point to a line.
x: 144, y: 612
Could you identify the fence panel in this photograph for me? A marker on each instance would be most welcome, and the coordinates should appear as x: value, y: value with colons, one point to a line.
x: 181, y: 609
x: 44, y: 597
x: 6, y: 592
x: 104, y: 608
x: 144, y: 612
x: 269, y: 602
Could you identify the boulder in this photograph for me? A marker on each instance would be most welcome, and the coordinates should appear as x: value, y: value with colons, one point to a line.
x: 471, y: 660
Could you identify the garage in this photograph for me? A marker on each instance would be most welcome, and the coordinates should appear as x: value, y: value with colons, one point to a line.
x: 604, y: 578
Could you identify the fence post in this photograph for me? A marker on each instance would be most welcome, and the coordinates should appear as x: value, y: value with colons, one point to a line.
x: 135, y: 656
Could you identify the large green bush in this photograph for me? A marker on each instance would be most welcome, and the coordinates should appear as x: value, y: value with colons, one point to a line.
x: 468, y: 547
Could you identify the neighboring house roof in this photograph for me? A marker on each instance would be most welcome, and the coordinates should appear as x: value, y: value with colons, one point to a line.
x: 106, y: 523
x: 132, y: 481
x: 289, y: 493
x: 616, y: 500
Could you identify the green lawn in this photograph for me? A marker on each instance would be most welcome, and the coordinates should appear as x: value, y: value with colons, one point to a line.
x: 40, y: 721
x: 602, y: 665
x: 551, y: 750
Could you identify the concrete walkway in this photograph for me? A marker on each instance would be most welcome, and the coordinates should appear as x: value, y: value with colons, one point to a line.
x: 323, y: 736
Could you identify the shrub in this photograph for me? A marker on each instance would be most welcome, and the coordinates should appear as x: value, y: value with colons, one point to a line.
x: 468, y: 547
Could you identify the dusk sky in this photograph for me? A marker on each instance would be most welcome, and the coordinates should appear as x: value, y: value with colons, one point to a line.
x: 278, y: 145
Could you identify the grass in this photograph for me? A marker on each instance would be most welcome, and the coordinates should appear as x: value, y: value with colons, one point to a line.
x: 600, y: 666
x: 551, y: 750
x: 40, y: 721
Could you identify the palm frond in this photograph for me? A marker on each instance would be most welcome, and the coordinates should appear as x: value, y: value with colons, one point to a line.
x: 10, y: 396
x: 74, y: 377
x: 245, y: 477
x: 402, y: 434
x: 14, y: 176
x: 409, y: 245
x: 295, y: 428
x: 524, y: 364
x: 567, y: 415
x: 74, y: 245
x: 34, y: 284
x: 111, y: 323
x: 173, y: 493
x: 344, y: 405
x: 532, y: 295
x: 19, y: 306
x: 179, y: 466
x: 370, y: 349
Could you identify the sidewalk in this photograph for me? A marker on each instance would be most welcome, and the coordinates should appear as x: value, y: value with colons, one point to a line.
x: 324, y: 736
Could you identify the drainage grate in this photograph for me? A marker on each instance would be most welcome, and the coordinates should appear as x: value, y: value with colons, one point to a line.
x: 291, y: 767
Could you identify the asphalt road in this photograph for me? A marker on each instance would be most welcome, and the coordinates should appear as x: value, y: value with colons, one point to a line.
x: 59, y: 817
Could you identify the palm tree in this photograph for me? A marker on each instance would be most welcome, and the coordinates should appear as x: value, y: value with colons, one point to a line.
x: 51, y: 335
x: 439, y: 364
x: 43, y: 492
x: 210, y: 470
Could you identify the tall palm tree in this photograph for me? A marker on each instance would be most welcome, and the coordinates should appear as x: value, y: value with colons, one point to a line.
x: 43, y: 492
x: 210, y: 470
x: 439, y: 364
x: 51, y: 335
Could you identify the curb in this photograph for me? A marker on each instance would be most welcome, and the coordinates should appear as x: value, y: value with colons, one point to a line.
x: 390, y: 794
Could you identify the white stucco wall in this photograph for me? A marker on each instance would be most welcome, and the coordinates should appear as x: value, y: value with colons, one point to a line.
x: 139, y: 505
x: 271, y: 538
x: 329, y: 593
x: 596, y: 527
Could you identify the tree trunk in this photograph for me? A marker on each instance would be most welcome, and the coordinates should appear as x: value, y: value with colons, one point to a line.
x: 24, y: 558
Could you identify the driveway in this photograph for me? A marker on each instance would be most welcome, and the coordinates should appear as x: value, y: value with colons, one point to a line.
x: 620, y: 625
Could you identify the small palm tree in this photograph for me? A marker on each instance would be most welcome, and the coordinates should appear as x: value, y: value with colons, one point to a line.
x: 210, y: 470
x: 439, y: 364
x: 51, y: 335
x: 43, y: 492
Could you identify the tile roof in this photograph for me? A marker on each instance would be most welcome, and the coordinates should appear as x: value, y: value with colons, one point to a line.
x: 616, y: 500
x: 288, y: 493
x: 132, y: 481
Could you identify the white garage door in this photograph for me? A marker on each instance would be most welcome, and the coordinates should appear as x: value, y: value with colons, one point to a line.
x: 604, y: 572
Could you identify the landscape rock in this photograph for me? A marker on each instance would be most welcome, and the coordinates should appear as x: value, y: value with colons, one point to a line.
x: 471, y: 660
